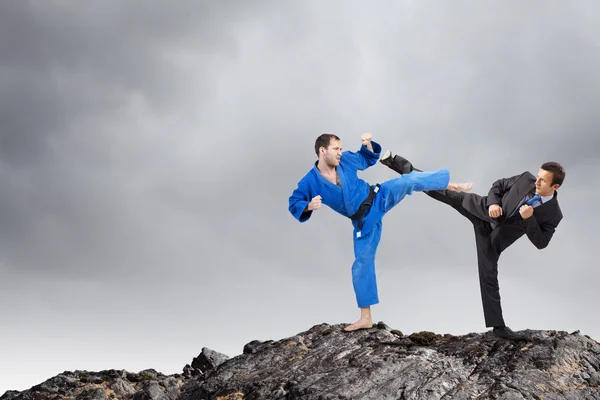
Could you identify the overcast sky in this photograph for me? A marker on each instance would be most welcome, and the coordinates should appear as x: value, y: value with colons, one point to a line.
x: 147, y: 153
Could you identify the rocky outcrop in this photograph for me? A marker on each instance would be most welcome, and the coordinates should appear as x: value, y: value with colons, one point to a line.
x: 119, y: 384
x: 379, y: 363
x: 103, y: 385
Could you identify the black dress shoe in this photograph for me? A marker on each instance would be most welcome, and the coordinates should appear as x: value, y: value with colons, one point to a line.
x: 506, y: 333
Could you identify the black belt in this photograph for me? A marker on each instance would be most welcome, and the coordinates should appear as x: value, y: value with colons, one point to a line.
x: 365, y: 206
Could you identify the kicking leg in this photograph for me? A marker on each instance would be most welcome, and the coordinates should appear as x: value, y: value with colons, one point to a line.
x: 453, y: 195
x: 454, y: 200
x: 402, y: 166
x: 396, y: 189
x: 364, y: 279
x: 459, y: 187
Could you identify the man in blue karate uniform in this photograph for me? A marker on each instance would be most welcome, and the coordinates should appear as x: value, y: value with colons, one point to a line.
x: 333, y: 181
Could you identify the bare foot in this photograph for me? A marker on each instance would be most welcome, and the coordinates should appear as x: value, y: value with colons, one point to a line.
x: 362, y: 323
x: 460, y: 187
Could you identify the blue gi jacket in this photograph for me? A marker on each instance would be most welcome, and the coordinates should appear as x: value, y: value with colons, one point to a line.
x: 344, y: 199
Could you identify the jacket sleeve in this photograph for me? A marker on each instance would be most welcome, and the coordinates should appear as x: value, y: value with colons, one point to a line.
x: 499, y: 188
x: 298, y: 201
x: 363, y: 158
x: 539, y: 234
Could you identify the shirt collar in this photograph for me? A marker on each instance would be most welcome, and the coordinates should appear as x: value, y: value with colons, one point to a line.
x: 547, y: 198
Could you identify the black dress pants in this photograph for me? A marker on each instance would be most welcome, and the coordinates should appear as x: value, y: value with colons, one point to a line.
x: 487, y: 253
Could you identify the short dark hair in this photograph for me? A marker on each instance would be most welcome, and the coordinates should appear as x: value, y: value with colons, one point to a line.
x: 323, y: 141
x: 558, y: 172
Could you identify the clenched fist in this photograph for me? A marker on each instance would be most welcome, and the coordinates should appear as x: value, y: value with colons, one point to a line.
x: 314, y: 204
x: 495, y: 211
x: 526, y: 211
x: 366, y: 138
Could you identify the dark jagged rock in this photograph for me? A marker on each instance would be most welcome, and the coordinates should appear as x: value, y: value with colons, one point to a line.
x: 103, y: 385
x: 189, y: 372
x: 325, y: 362
x: 255, y: 345
x: 208, y: 359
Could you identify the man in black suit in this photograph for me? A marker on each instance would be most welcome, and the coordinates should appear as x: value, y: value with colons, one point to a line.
x: 515, y: 206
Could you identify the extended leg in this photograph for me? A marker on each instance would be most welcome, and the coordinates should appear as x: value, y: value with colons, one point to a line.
x: 364, y: 278
x: 396, y: 189
x: 402, y: 166
x: 453, y: 198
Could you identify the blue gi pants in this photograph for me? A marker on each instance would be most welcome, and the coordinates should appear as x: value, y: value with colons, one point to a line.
x: 365, y: 245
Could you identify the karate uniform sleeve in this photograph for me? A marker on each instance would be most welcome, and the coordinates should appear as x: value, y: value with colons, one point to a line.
x: 298, y: 201
x: 498, y: 189
x: 364, y: 158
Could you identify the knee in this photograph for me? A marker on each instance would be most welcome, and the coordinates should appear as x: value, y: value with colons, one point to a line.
x: 413, y: 183
x: 491, y: 286
x: 403, y: 185
x: 363, y: 266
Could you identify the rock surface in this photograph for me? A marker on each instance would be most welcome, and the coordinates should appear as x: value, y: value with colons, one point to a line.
x: 379, y: 363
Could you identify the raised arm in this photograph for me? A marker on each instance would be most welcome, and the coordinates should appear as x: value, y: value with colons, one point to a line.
x: 366, y: 141
x: 367, y: 155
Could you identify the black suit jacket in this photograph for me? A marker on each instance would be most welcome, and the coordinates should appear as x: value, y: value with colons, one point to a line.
x: 507, y: 193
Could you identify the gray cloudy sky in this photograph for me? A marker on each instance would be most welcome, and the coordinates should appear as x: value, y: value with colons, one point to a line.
x: 147, y: 152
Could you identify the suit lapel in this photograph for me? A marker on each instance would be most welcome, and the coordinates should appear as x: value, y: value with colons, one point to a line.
x: 549, y: 205
x: 521, y: 188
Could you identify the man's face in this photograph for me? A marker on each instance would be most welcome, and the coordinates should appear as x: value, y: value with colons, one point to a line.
x: 543, y: 183
x: 333, y: 153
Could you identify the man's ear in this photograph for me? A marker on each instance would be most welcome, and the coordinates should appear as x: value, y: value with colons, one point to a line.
x: 555, y: 186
